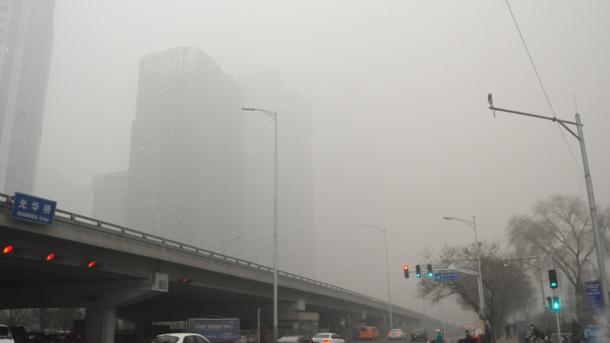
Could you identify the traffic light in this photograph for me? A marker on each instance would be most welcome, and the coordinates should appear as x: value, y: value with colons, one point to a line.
x: 50, y: 257
x: 418, y: 271
x: 11, y: 249
x: 93, y: 264
x: 405, y: 268
x: 555, y: 304
x: 8, y: 249
x: 553, y: 279
x: 430, y: 273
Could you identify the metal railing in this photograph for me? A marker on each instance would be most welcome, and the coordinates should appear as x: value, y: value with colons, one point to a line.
x: 88, y: 223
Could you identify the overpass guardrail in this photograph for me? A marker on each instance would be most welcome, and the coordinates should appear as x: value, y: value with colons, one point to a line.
x: 89, y: 223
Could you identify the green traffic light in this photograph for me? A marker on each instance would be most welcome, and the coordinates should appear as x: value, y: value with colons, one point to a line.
x: 556, y: 304
x: 553, y: 282
x: 418, y: 275
x: 430, y: 275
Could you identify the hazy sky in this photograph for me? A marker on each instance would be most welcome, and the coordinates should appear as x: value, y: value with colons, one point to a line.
x: 402, y: 134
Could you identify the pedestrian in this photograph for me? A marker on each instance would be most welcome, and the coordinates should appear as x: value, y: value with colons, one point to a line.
x: 487, y: 338
x: 521, y: 331
x: 467, y: 338
x: 507, y: 331
x: 439, y: 336
x: 535, y: 335
x: 575, y: 331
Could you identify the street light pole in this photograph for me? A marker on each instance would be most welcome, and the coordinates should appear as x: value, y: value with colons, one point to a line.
x: 473, y: 225
x: 540, y: 281
x: 482, y: 293
x: 469, y: 272
x: 387, y: 269
x: 580, y: 136
x: 273, y: 115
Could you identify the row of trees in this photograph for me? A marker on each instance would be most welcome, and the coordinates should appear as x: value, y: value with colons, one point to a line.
x: 558, y: 231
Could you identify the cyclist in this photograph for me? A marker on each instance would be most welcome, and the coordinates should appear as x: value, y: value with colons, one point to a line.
x: 536, y: 335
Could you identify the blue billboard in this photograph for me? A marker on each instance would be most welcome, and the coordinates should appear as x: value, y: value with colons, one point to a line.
x: 33, y: 209
x: 215, y: 329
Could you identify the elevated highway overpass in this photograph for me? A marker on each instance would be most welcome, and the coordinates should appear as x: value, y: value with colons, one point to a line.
x: 143, y: 278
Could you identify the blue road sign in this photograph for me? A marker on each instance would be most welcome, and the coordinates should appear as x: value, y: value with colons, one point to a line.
x: 447, y: 276
x: 33, y: 209
x: 593, y: 291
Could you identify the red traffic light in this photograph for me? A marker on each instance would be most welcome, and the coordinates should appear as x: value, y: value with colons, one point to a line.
x: 91, y: 264
x: 405, y: 268
x: 50, y: 257
x: 8, y: 249
x: 185, y: 280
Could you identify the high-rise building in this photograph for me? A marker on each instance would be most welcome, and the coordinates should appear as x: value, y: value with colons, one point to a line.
x: 295, y: 176
x: 110, y: 197
x: 186, y: 169
x: 26, y: 41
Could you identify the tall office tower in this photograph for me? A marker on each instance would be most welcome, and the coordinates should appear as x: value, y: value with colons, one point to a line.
x: 26, y: 41
x: 186, y: 169
x: 295, y: 176
x: 110, y: 197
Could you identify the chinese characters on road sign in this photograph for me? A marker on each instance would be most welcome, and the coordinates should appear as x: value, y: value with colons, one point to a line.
x: 33, y: 209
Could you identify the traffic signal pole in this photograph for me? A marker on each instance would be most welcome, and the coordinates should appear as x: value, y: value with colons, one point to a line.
x: 579, y: 135
x: 601, y: 264
x: 553, y: 275
x: 558, y: 325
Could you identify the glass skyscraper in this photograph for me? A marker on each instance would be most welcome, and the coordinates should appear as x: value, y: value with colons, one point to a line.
x: 186, y: 168
x: 26, y: 42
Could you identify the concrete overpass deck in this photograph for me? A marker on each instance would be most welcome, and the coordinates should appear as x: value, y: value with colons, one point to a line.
x: 142, y: 275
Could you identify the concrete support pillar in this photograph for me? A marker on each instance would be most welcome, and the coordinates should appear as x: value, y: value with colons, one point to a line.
x: 100, y: 323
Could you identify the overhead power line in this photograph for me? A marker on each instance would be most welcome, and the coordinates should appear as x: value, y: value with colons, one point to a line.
x: 546, y: 94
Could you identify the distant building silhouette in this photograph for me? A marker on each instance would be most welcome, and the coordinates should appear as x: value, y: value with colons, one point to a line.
x: 186, y: 167
x: 295, y: 175
x: 26, y: 41
x: 110, y: 197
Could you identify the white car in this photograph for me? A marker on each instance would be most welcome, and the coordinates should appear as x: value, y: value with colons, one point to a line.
x: 180, y: 338
x: 5, y: 335
x: 327, y: 337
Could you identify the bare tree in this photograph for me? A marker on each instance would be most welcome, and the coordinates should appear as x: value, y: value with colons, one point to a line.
x: 507, y: 288
x: 560, y: 228
x: 17, y: 317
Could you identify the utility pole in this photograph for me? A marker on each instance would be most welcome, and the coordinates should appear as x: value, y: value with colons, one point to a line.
x: 579, y: 135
